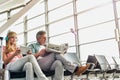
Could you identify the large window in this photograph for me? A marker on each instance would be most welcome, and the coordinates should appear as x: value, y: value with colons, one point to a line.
x: 95, y: 21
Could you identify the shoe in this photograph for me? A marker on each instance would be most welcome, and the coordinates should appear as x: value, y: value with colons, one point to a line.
x: 82, y: 69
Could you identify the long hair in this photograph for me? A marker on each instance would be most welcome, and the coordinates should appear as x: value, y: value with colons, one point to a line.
x: 10, y: 47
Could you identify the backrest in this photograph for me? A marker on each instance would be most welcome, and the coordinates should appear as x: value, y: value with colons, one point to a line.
x: 72, y: 57
x: 93, y: 60
x: 102, y: 62
x: 117, y: 61
x: 111, y: 62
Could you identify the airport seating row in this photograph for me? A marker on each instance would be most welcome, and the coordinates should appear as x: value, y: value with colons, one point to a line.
x: 104, y: 67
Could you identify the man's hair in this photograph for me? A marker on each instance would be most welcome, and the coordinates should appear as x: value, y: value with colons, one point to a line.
x: 39, y: 33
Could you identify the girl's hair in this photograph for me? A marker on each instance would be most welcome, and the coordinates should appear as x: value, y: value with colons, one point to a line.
x: 10, y: 47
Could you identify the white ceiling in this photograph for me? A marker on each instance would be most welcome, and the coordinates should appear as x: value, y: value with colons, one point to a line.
x: 3, y: 1
x: 8, y: 4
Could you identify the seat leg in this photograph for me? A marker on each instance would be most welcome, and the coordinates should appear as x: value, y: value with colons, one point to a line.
x: 71, y: 77
x: 6, y: 75
x: 2, y: 73
x: 52, y: 77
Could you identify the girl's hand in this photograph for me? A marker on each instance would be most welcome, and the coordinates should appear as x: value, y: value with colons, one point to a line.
x: 29, y: 52
x: 17, y: 52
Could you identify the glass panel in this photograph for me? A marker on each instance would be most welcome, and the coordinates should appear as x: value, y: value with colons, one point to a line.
x: 32, y: 35
x: 18, y: 28
x: 66, y: 38
x: 4, y: 35
x: 15, y: 11
x: 107, y: 48
x: 99, y: 32
x: 61, y: 12
x: 96, y: 16
x: 3, y: 16
x: 36, y: 10
x: 118, y: 8
x: 20, y: 39
x: 56, y: 3
x: 86, y: 4
x: 2, y: 22
x: 61, y: 26
x: 19, y: 20
x: 71, y: 49
x: 5, y: 32
x: 35, y: 22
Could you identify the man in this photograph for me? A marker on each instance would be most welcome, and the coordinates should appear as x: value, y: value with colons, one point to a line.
x: 53, y: 61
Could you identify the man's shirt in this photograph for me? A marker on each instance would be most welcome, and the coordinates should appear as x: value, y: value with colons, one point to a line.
x: 36, y: 47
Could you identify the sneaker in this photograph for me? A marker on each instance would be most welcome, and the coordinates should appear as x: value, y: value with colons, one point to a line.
x: 82, y: 69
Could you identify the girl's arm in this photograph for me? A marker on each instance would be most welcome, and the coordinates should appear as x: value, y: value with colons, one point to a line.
x: 7, y: 59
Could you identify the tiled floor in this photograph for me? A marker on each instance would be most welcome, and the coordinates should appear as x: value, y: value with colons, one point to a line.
x: 92, y: 78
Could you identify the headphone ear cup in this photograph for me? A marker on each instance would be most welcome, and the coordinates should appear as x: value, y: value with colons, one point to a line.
x: 6, y: 38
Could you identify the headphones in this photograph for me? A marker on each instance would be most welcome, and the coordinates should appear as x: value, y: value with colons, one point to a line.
x: 6, y: 38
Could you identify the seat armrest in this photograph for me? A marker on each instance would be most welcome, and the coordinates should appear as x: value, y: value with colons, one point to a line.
x: 92, y: 66
x: 76, y: 63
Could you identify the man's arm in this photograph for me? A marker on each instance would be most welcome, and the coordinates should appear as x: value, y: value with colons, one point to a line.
x: 33, y: 51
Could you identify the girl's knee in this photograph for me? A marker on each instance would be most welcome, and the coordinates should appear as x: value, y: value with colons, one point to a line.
x: 28, y: 66
x: 31, y: 56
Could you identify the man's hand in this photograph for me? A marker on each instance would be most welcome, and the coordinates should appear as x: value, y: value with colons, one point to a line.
x: 42, y: 52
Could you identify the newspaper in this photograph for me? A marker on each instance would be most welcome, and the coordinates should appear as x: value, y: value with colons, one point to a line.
x: 24, y: 49
x: 62, y: 49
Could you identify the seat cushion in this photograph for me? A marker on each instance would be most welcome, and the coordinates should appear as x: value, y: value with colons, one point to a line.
x: 21, y: 74
x: 17, y: 74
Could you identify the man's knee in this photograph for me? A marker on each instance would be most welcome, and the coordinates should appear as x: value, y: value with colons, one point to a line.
x: 58, y: 63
